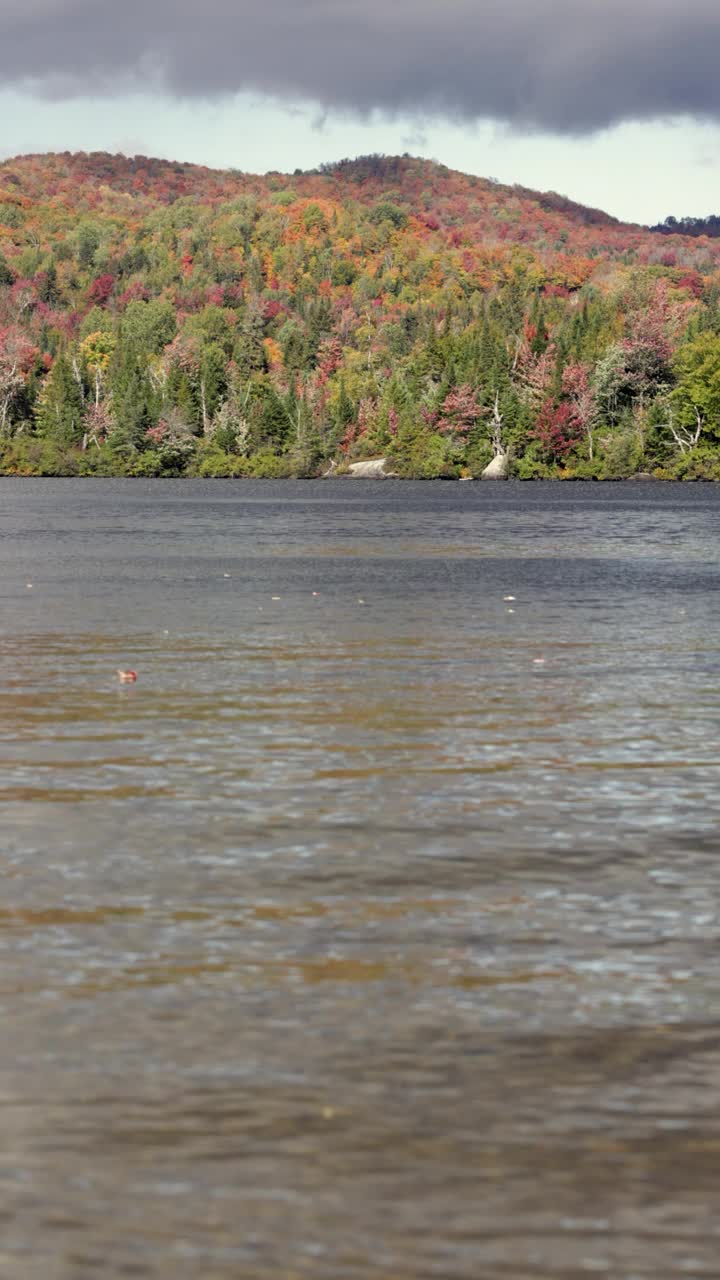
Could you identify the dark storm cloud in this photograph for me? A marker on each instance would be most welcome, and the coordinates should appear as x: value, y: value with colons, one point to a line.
x: 568, y: 66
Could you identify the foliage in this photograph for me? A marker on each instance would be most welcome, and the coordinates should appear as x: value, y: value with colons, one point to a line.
x: 696, y: 397
x: 165, y: 319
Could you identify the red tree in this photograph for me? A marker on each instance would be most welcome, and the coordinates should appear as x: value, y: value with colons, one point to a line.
x: 100, y: 289
x: 557, y: 429
x: 582, y: 399
x: 460, y: 411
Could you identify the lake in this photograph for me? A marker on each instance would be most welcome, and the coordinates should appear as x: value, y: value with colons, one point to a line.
x: 373, y: 933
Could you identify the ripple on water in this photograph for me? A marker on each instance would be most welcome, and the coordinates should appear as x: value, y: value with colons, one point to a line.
x: 358, y: 941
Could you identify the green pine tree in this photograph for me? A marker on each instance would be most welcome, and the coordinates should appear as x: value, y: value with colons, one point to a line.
x: 59, y: 414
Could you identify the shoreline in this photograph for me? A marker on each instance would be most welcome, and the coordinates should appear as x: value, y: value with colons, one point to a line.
x: 644, y: 480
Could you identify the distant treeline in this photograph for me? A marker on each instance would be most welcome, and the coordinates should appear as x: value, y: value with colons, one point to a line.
x: 709, y: 226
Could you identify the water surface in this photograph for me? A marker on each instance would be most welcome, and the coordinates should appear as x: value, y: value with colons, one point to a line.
x: 373, y: 934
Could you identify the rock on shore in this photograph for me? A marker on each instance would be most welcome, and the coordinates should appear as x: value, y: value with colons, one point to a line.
x: 497, y: 469
x: 374, y: 469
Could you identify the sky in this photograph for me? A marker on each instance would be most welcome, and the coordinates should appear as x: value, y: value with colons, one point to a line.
x: 615, y: 103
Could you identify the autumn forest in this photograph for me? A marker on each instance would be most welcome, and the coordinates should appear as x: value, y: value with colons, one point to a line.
x: 165, y: 319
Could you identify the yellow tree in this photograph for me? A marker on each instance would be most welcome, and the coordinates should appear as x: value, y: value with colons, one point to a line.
x: 97, y: 351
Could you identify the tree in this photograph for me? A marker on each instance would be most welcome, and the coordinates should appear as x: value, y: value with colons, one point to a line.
x: 17, y: 357
x: 250, y: 356
x: 195, y: 377
x: 648, y: 346
x: 212, y: 381
x: 535, y: 376
x: 557, y: 429
x: 344, y: 410
x: 610, y: 384
x: 148, y: 326
x: 47, y: 285
x: 579, y: 394
x: 230, y: 427
x: 134, y: 407
x: 695, y: 401
x: 97, y: 351
x: 271, y: 427
x: 459, y: 412
x: 418, y: 451
x: 59, y: 414
x: 88, y: 243
x: 7, y: 276
x: 101, y: 289
x: 173, y: 441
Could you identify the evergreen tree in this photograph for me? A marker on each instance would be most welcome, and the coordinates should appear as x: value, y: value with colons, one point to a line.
x: 7, y: 276
x: 271, y: 428
x: 250, y: 354
x: 344, y: 409
x: 59, y: 414
x: 48, y: 285
x: 134, y: 403
x: 213, y: 380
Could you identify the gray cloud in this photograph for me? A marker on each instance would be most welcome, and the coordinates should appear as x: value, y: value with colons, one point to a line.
x: 567, y: 66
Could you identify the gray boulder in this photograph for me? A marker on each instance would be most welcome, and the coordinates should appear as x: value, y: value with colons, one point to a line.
x: 497, y: 469
x: 374, y: 469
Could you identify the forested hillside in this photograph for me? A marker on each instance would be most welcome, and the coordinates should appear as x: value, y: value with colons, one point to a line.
x: 160, y: 319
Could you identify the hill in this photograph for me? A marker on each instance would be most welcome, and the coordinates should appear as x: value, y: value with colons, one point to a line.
x: 162, y: 318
